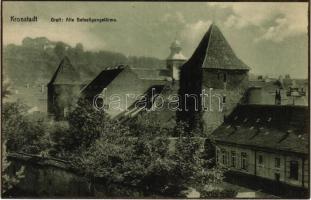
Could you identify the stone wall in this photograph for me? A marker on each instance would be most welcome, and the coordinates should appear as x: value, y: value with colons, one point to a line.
x: 61, y: 98
x: 221, y: 99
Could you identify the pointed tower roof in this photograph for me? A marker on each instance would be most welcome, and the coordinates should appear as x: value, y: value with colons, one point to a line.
x: 65, y: 73
x: 214, y: 52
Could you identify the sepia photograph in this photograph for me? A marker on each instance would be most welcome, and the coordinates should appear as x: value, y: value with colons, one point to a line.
x: 155, y: 100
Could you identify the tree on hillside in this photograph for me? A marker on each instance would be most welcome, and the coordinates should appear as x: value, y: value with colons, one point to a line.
x: 40, y: 58
x: 60, y: 50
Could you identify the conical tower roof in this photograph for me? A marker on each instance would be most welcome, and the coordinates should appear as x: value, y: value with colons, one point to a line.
x: 65, y: 73
x: 214, y: 52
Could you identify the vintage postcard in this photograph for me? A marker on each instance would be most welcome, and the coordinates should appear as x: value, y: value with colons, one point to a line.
x: 152, y: 99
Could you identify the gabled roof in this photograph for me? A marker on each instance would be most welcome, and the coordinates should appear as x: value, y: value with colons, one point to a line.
x: 65, y: 73
x: 101, y: 81
x: 268, y: 127
x: 214, y: 52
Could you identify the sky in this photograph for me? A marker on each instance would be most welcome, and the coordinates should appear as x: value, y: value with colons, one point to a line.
x: 272, y: 38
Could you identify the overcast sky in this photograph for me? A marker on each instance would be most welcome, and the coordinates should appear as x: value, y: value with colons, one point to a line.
x: 270, y: 37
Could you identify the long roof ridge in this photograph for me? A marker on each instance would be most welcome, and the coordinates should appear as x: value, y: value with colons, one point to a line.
x: 99, y: 75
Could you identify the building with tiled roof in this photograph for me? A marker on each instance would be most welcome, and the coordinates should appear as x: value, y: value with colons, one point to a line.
x: 266, y: 141
x: 120, y: 88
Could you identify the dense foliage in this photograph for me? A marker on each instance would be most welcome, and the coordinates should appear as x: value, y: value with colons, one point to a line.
x: 22, y: 132
x: 141, y: 161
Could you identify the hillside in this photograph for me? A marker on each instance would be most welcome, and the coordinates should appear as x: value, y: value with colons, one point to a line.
x: 35, y: 60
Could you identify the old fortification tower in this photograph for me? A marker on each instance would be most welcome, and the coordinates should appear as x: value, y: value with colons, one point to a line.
x: 215, y: 69
x: 63, y: 90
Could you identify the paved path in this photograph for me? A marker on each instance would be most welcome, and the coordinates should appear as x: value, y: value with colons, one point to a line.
x: 243, y: 192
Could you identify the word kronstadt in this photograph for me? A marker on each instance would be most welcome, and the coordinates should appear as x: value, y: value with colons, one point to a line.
x: 24, y: 19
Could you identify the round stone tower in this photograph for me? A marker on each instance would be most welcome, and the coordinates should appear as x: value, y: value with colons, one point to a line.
x: 175, y: 60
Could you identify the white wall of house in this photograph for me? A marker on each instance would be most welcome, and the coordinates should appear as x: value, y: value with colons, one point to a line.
x: 268, y: 165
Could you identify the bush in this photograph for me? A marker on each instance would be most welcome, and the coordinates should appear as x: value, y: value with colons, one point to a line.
x: 21, y: 131
x: 87, y: 124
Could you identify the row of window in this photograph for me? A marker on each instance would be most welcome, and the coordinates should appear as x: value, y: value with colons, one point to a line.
x: 293, y: 166
x: 233, y: 159
x: 223, y: 158
x: 277, y: 161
